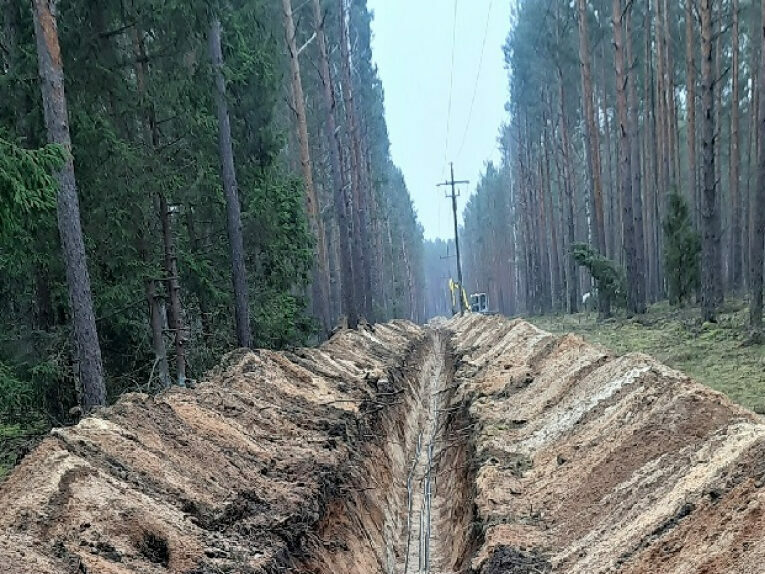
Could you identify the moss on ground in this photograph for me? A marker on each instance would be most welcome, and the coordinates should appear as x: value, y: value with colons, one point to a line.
x: 718, y: 355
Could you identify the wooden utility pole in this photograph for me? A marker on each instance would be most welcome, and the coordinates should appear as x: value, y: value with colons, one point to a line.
x: 454, y: 194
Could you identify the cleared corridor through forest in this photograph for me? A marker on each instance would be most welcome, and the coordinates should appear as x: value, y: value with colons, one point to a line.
x: 477, y: 445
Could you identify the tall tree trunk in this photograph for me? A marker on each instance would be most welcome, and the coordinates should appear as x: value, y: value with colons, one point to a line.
x: 321, y: 278
x: 361, y: 191
x: 711, y: 263
x: 571, y: 276
x: 68, y: 209
x: 174, y: 290
x: 690, y: 83
x: 345, y: 230
x: 625, y: 160
x: 558, y: 296
x: 593, y: 145
x: 735, y: 160
x: 157, y: 337
x: 673, y: 139
x: 750, y: 202
x: 650, y: 164
x: 722, y: 207
x: 231, y: 191
x: 634, y: 125
x: 757, y: 246
x: 612, y: 240
x: 156, y: 317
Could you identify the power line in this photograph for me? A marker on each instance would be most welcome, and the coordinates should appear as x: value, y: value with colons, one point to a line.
x: 451, y: 86
x: 477, y: 78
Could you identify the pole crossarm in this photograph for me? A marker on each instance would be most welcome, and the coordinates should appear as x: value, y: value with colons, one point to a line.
x: 452, y: 183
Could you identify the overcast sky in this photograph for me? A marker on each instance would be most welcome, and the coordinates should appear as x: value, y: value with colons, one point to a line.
x: 413, y: 49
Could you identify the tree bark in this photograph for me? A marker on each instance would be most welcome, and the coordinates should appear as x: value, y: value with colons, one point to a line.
x: 757, y: 245
x: 557, y: 284
x: 637, y: 198
x: 321, y: 278
x: 68, y: 209
x: 176, y: 323
x: 711, y: 262
x: 361, y: 239
x: 231, y: 191
x: 690, y: 83
x: 345, y: 230
x: 593, y: 144
x: 735, y: 159
x: 625, y: 159
x: 571, y: 279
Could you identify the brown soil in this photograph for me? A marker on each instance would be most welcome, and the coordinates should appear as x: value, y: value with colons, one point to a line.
x: 477, y: 445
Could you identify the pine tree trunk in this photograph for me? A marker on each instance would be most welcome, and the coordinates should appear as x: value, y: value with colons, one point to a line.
x: 649, y: 166
x: 157, y: 337
x: 78, y: 280
x: 361, y: 190
x: 634, y: 125
x: 757, y: 246
x: 735, y: 160
x: 571, y: 275
x: 592, y: 144
x: 717, y: 14
x: 174, y: 290
x: 345, y: 230
x: 320, y: 276
x: 711, y: 263
x: 558, y: 296
x: 690, y: 82
x: 674, y: 138
x: 751, y: 153
x: 625, y: 160
x: 231, y: 191
x: 612, y: 240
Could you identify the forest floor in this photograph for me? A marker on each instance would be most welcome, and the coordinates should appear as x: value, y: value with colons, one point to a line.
x: 717, y: 355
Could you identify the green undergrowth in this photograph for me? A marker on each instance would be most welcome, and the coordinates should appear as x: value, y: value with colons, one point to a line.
x: 718, y: 355
x: 15, y: 442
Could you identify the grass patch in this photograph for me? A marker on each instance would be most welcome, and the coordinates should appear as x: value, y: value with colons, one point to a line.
x: 717, y: 355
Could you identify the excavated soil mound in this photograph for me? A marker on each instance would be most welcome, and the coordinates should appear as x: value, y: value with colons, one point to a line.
x: 476, y: 445
x: 254, y: 471
x: 592, y: 463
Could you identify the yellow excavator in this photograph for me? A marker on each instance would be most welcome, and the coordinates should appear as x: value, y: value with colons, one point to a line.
x: 458, y: 291
x: 478, y: 303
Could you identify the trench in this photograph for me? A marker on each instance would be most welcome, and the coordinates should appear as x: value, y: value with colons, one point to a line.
x: 409, y: 508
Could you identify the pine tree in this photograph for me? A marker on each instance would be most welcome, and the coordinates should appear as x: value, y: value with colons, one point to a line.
x: 682, y: 248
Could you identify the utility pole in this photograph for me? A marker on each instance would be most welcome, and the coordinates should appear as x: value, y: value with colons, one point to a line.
x: 454, y: 195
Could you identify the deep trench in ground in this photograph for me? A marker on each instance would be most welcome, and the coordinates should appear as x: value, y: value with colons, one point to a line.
x: 477, y: 445
x: 410, y: 509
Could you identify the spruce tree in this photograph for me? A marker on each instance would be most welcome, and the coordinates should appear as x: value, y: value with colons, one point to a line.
x: 682, y: 249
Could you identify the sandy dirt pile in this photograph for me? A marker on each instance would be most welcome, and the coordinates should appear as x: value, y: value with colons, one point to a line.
x: 479, y: 445
x: 254, y: 471
x: 590, y: 463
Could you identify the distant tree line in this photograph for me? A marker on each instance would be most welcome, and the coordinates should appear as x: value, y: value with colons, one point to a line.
x: 637, y: 129
x: 181, y: 178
